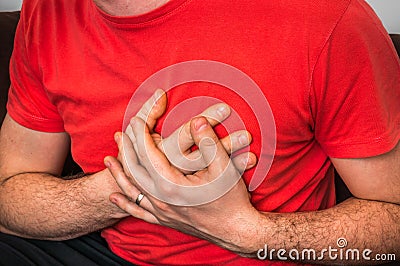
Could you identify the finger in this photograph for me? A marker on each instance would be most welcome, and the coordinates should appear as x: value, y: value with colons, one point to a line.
x: 178, y: 144
x: 148, y: 154
x: 131, y: 165
x: 124, y: 182
x: 125, y: 147
x: 132, y: 208
x: 211, y: 149
x: 244, y: 161
x: 215, y: 114
x: 192, y: 162
x: 151, y: 110
x: 236, y: 141
x: 129, y: 133
x: 181, y: 139
x: 232, y: 143
x: 156, y: 138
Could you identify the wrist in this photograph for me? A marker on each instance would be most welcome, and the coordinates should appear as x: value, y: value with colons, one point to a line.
x: 248, y: 233
x: 102, y: 184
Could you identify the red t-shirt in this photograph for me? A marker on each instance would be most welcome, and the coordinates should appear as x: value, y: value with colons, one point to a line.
x: 327, y: 69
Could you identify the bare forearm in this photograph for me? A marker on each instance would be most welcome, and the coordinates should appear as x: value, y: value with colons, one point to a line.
x: 365, y: 225
x: 46, y: 207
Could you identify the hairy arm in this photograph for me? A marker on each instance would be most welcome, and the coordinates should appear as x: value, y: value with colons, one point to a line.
x: 35, y: 202
x: 364, y: 225
x: 367, y: 222
x: 370, y: 221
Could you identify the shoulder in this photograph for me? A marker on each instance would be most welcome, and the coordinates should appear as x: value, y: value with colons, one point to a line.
x: 321, y: 18
x: 322, y: 13
x: 42, y: 20
x: 49, y: 11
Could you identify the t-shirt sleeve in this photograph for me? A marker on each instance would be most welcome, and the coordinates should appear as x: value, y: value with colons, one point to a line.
x: 355, y: 95
x: 28, y: 104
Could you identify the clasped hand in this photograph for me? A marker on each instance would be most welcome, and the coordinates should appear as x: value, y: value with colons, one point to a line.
x: 197, y: 192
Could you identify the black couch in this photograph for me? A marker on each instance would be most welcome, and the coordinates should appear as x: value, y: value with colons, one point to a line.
x: 8, y: 24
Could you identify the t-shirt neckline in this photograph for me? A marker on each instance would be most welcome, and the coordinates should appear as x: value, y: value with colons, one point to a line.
x: 158, y: 13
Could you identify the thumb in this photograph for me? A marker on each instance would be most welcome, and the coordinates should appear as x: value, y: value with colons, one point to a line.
x: 153, y: 108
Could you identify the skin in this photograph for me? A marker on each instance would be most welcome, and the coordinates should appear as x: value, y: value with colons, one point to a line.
x: 128, y: 7
x: 64, y: 208
x: 34, y: 202
x: 374, y: 181
x: 29, y: 166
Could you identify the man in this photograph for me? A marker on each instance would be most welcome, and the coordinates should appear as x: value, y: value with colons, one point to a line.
x: 326, y: 68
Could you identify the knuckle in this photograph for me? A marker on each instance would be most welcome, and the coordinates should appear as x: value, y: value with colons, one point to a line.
x: 209, y: 141
x: 123, y: 204
x: 144, y: 111
x: 130, y: 192
x: 132, y: 209
x: 166, y: 190
x: 228, y: 144
x: 193, y: 165
x: 142, y: 154
x: 163, y: 207
x: 185, y: 130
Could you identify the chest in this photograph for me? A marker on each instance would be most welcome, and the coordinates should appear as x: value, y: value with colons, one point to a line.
x: 93, y: 78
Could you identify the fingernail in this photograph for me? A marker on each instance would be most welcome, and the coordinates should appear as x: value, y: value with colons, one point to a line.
x: 200, y: 124
x: 116, y: 137
x: 222, y: 111
x: 113, y: 200
x: 157, y: 94
x: 246, y: 161
x: 243, y: 140
x: 107, y: 164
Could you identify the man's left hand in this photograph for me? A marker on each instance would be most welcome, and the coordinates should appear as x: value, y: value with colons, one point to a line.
x: 225, y: 220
